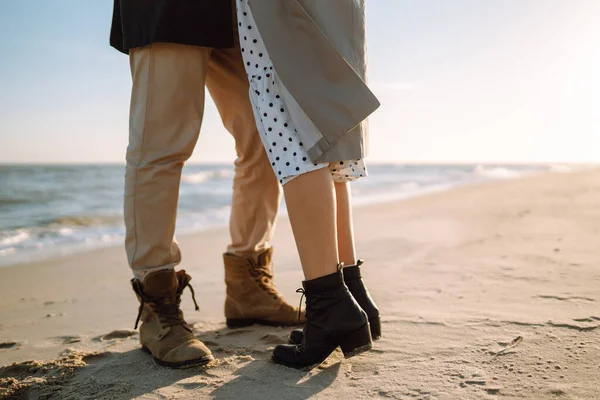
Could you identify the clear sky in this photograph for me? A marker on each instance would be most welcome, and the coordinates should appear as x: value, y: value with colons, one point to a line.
x: 459, y: 81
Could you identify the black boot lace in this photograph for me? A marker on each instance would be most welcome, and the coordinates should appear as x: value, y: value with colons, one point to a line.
x: 309, y: 302
x: 301, y: 290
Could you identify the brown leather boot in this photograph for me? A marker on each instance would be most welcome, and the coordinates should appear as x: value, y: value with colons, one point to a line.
x: 164, y: 333
x: 252, y: 297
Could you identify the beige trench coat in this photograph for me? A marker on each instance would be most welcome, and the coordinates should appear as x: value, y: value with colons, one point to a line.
x: 318, y: 51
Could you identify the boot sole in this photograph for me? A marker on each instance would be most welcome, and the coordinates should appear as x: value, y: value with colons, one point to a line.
x: 182, y: 364
x: 375, y: 324
x: 352, y: 345
x: 236, y: 323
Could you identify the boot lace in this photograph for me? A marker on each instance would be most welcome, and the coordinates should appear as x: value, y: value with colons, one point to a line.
x: 301, y: 290
x: 264, y: 278
x: 168, y: 312
x: 309, y: 301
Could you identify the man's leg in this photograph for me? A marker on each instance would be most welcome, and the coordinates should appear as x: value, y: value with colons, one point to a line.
x: 251, y: 294
x: 167, y: 103
x: 256, y: 191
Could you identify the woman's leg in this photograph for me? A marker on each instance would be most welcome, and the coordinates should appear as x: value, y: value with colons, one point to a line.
x: 345, y: 229
x: 347, y: 254
x: 311, y: 204
x: 333, y: 317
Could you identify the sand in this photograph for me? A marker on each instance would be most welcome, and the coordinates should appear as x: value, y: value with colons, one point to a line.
x: 458, y: 276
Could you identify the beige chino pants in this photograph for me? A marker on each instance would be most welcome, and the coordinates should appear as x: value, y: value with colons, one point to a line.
x: 167, y: 105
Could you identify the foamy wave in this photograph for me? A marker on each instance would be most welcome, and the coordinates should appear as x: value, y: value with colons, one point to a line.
x: 204, y: 176
x: 198, y: 177
x: 409, y: 186
x: 496, y: 173
x: 5, y: 252
x: 14, y: 238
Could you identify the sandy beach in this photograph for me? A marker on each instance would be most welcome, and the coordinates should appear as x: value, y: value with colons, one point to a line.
x: 458, y: 275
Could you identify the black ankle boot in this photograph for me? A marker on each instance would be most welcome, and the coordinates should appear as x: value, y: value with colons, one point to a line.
x: 354, y: 282
x: 333, y: 318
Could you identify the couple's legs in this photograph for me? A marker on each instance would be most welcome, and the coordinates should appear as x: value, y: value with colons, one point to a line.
x: 321, y: 217
x: 167, y: 106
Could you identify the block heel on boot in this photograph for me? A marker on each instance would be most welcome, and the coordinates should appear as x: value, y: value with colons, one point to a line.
x: 375, y: 324
x: 357, y: 342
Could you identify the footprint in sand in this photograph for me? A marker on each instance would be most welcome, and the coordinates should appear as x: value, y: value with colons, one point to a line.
x: 8, y: 345
x: 565, y: 298
x: 272, y: 338
x: 91, y: 358
x: 118, y: 334
x: 233, y: 332
x: 68, y: 339
x: 590, y: 319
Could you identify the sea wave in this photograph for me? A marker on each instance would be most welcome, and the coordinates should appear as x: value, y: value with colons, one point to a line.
x: 411, y: 185
x: 199, y: 177
x: 562, y: 168
x: 84, y: 221
x: 57, y: 230
x: 6, y: 252
x: 10, y: 201
x: 12, y: 238
x: 66, y: 218
x: 496, y: 172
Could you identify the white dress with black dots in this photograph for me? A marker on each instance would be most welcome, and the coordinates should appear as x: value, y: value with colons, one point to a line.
x: 286, y: 151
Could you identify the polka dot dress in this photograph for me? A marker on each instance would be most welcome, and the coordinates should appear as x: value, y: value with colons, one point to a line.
x: 287, y: 153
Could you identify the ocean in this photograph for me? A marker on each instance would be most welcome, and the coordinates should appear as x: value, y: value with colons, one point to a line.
x: 54, y: 210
